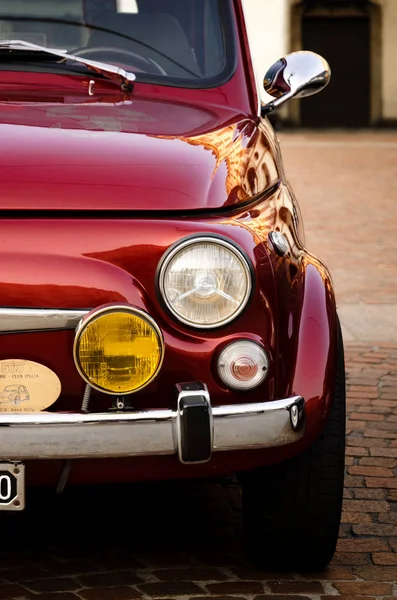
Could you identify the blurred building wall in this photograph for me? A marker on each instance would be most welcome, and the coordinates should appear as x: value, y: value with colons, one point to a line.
x: 268, y: 32
x: 274, y: 30
x: 389, y: 59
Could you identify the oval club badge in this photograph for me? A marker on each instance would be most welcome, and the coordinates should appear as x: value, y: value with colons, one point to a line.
x: 27, y: 386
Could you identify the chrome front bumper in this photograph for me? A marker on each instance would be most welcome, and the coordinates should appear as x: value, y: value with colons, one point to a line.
x: 26, y: 436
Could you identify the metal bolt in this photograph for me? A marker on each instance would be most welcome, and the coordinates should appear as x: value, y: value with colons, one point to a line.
x: 16, y: 471
x: 294, y: 416
x: 17, y: 503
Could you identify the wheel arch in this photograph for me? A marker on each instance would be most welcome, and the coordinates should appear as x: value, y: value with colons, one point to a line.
x: 307, y: 342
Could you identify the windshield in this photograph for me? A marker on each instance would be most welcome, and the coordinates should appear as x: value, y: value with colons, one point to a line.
x: 169, y: 41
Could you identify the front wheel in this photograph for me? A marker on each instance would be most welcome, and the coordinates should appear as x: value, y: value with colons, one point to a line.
x: 291, y: 511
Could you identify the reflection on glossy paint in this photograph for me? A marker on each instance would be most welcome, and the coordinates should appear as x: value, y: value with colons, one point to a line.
x: 245, y: 152
x: 305, y: 313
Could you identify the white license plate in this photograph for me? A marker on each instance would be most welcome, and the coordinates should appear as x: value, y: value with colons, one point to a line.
x: 12, y: 486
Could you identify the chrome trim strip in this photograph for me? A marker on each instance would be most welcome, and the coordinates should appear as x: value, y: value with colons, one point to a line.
x: 260, y: 425
x: 38, y: 319
x: 25, y: 436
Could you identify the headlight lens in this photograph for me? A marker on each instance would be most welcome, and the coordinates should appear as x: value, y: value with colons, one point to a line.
x: 205, y: 282
x: 118, y: 350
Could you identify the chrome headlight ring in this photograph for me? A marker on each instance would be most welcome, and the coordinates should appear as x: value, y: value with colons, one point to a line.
x: 94, y: 317
x: 205, y: 282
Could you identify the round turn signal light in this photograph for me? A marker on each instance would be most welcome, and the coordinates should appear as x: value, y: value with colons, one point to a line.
x: 243, y: 365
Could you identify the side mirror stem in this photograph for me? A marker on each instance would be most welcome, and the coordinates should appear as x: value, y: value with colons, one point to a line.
x: 267, y: 108
x: 271, y: 106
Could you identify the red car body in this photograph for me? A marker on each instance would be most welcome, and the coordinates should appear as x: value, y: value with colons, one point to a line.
x: 93, y: 191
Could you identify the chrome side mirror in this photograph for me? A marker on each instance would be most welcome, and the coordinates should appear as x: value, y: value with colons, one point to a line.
x: 296, y: 75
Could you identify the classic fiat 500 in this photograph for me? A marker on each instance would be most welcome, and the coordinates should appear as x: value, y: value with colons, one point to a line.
x: 15, y: 394
x: 158, y: 304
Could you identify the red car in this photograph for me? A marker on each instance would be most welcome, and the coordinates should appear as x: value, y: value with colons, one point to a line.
x: 156, y: 290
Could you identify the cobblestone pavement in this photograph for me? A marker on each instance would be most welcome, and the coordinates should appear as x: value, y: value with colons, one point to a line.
x: 184, y: 540
x: 347, y: 190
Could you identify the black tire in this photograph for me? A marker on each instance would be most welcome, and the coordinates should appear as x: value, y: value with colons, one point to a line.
x: 291, y: 511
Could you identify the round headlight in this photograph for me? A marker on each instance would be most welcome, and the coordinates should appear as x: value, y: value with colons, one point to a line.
x: 118, y: 350
x: 205, y: 282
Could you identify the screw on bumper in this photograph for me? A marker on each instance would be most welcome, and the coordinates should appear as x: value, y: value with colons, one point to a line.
x: 193, y: 430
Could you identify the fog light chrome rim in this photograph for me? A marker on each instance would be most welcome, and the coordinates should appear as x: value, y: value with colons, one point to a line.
x: 118, y: 349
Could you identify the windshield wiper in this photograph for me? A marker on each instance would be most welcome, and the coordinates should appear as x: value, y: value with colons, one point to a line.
x: 124, y: 78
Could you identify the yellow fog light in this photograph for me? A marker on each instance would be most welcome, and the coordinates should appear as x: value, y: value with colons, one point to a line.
x: 118, y: 349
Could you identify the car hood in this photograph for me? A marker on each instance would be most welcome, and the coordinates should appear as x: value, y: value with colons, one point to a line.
x: 144, y: 155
